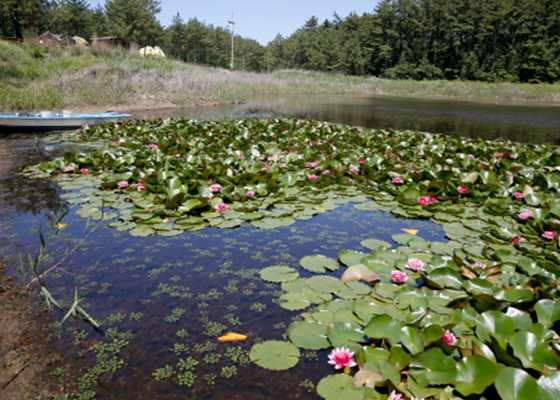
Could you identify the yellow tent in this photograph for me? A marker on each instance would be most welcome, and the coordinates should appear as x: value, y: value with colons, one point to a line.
x: 150, y: 51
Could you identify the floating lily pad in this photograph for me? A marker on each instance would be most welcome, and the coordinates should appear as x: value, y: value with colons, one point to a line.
x: 275, y: 355
x: 339, y: 386
x: 279, y: 273
x: 325, y: 284
x: 318, y: 263
x: 308, y: 335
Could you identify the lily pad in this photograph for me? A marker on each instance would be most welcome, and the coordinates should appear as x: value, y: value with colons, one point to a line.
x: 279, y: 273
x: 339, y: 386
x: 275, y: 355
x: 308, y: 335
x: 319, y: 263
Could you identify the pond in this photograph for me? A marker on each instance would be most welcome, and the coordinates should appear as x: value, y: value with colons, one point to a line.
x: 522, y: 122
x: 163, y: 301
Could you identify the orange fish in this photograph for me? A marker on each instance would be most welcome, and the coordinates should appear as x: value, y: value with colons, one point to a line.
x: 232, y: 337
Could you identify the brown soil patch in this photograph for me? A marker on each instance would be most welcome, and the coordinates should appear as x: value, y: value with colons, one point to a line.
x: 26, y: 358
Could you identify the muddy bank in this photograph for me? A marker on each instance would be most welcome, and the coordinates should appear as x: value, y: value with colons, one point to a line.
x: 27, y: 358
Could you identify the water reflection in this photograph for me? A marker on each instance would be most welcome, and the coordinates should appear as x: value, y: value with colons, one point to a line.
x: 520, y: 122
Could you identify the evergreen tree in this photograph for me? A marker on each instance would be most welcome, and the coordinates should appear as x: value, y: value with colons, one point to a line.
x: 72, y: 18
x: 20, y: 17
x: 134, y: 20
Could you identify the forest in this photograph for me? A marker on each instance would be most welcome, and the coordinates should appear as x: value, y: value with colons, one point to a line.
x: 490, y: 40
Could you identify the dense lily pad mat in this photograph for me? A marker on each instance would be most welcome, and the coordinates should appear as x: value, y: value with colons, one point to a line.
x: 473, y: 317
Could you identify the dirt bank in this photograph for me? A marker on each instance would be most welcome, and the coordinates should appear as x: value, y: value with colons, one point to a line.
x: 26, y: 354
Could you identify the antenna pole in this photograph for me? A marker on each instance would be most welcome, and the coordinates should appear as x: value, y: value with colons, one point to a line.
x: 232, y: 23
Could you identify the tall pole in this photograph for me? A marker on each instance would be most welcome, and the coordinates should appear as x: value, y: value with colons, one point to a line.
x: 232, y: 23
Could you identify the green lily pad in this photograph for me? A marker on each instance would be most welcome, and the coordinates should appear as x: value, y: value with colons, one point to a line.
x: 474, y: 374
x: 433, y: 367
x: 339, y: 386
x: 275, y: 355
x: 343, y: 334
x: 325, y: 284
x: 516, y: 384
x: 308, y: 335
x: 349, y: 257
x: 319, y: 263
x: 141, y: 231
x: 294, y: 301
x: 279, y: 273
x: 533, y: 352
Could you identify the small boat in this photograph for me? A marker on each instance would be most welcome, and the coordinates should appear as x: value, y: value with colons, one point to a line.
x: 49, y: 121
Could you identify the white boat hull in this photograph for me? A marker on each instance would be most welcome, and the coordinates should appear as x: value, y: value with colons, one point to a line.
x: 40, y: 122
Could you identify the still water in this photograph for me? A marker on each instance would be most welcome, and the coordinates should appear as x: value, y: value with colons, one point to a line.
x: 163, y: 301
x: 525, y: 122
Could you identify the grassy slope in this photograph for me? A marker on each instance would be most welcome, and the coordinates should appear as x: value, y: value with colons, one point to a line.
x: 32, y: 77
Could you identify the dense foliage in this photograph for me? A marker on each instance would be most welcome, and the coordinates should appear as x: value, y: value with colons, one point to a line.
x: 430, y: 39
x: 495, y: 40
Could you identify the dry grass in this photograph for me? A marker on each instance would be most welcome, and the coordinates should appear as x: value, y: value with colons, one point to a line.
x: 32, y: 77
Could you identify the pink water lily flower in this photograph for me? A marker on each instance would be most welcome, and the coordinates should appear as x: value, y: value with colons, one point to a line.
x: 525, y: 214
x: 354, y: 170
x: 433, y: 199
x: 516, y: 239
x: 501, y: 154
x: 362, y: 161
x: 215, y: 188
x: 221, y: 207
x: 449, y: 338
x: 311, y: 164
x: 140, y: 186
x: 415, y: 264
x: 480, y: 265
x: 395, y: 396
x: 341, y: 357
x: 518, y: 195
x: 398, y: 179
x: 68, y: 169
x: 423, y: 200
x: 122, y: 184
x: 312, y: 177
x: 398, y: 276
x: 153, y: 146
x: 550, y: 235
x: 250, y: 193
x: 34, y: 172
x: 84, y: 171
x: 265, y: 168
x: 462, y: 189
x: 471, y: 157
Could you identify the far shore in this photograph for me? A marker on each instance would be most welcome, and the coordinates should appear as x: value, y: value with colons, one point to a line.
x: 151, y: 105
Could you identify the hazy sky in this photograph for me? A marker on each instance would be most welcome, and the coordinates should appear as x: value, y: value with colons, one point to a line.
x: 261, y: 20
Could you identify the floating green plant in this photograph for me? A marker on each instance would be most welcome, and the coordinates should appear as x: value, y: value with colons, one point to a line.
x: 228, y: 371
x: 166, y: 372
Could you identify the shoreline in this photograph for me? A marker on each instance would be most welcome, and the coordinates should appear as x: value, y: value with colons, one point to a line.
x: 150, y: 105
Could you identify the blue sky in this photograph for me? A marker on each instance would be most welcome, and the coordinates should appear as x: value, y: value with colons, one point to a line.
x: 261, y: 20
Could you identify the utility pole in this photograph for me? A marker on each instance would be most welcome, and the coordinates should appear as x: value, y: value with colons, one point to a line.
x: 232, y: 23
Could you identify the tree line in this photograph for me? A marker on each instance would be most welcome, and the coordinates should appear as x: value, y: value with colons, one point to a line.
x: 486, y: 40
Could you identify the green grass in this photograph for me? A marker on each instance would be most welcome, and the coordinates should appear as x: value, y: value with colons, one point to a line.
x: 33, y: 77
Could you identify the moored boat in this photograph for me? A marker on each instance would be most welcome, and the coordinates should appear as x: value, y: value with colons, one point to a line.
x: 49, y: 121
